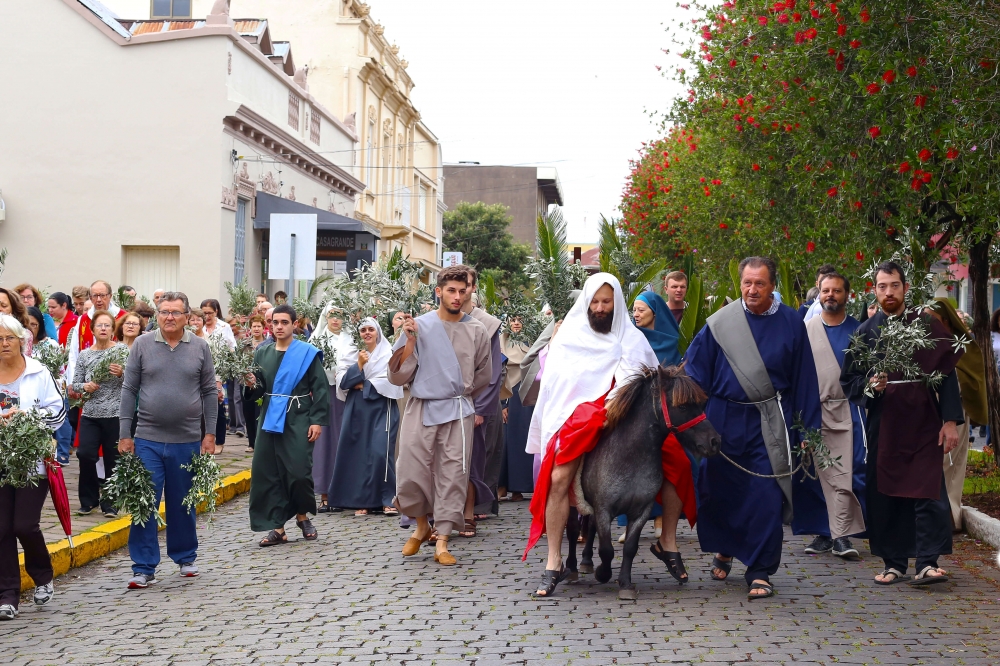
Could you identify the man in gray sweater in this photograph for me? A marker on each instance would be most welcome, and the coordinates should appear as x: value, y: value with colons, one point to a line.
x: 170, y: 389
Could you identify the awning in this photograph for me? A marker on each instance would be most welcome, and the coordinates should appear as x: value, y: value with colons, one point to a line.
x: 326, y: 221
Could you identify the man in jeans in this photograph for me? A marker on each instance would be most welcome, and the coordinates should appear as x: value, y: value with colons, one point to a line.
x: 172, y: 371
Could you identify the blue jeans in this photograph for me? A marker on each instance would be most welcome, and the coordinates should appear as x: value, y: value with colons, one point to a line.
x: 164, y: 462
x: 64, y: 437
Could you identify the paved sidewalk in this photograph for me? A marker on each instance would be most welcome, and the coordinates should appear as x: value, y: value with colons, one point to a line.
x: 350, y: 597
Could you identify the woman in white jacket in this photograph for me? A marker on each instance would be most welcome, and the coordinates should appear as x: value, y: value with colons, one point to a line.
x: 325, y: 449
x: 24, y: 384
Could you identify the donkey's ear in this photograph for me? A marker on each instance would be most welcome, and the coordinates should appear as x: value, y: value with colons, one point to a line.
x: 682, y: 370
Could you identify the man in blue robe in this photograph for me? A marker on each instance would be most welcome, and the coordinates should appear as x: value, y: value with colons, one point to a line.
x: 831, y: 507
x: 741, y: 515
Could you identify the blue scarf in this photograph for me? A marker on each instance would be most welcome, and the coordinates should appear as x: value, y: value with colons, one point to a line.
x: 292, y: 369
x: 664, y: 334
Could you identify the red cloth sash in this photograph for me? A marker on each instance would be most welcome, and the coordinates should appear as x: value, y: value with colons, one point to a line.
x: 85, y: 338
x: 578, y: 435
x: 677, y: 470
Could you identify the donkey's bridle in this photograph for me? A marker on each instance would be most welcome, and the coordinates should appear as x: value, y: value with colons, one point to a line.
x: 671, y: 428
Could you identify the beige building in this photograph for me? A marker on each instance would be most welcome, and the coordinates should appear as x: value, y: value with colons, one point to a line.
x: 356, y: 72
x: 152, y: 152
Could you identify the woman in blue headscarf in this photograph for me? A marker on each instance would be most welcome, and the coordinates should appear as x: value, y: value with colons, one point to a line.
x: 654, y: 319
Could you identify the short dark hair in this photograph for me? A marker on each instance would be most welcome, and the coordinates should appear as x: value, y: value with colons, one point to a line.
x: 472, y: 275
x: 825, y: 269
x: 214, y: 304
x: 126, y: 287
x: 36, y: 314
x: 890, y: 267
x: 676, y: 276
x: 280, y: 294
x: 835, y: 276
x: 61, y: 299
x: 757, y: 262
x: 16, y: 305
x: 457, y: 273
x: 287, y: 309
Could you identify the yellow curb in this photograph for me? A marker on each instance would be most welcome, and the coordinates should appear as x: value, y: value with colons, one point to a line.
x: 108, y: 537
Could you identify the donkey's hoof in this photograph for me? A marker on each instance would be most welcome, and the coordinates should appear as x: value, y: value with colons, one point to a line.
x: 603, y: 574
x: 572, y: 576
x: 628, y: 593
x: 586, y: 567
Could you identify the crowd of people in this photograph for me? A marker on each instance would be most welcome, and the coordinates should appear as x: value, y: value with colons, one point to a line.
x: 451, y: 412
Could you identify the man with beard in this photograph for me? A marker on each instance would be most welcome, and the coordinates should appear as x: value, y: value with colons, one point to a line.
x: 830, y: 507
x: 911, y: 425
x: 445, y: 358
x: 595, y: 348
x: 755, y: 393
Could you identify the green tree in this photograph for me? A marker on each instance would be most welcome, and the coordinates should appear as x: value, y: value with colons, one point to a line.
x: 481, y: 233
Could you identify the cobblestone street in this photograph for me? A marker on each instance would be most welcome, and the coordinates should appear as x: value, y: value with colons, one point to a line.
x: 351, y: 597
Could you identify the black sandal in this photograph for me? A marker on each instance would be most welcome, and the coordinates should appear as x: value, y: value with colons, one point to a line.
x: 550, y: 579
x: 724, y: 565
x: 324, y: 508
x: 273, y: 538
x: 309, y: 532
x: 898, y: 577
x: 767, y: 587
x: 675, y: 565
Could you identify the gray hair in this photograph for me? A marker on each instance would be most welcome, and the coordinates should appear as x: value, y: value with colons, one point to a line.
x: 761, y: 262
x: 106, y: 284
x: 14, y: 326
x: 176, y: 296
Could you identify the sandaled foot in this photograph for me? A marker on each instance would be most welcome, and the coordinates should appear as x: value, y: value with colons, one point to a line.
x: 721, y: 567
x: 760, y: 589
x: 361, y: 512
x: 309, y: 532
x: 323, y: 508
x: 273, y: 538
x: 890, y: 577
x: 469, y: 530
x: 930, y: 576
x: 675, y: 565
x: 517, y: 497
x: 433, y: 537
x: 390, y: 511
x: 550, y: 579
x: 481, y: 516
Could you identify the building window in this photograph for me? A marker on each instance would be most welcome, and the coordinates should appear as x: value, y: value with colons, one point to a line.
x: 370, y: 158
x: 241, y: 240
x: 293, y: 111
x: 422, y: 208
x: 165, y: 9
x: 314, y: 126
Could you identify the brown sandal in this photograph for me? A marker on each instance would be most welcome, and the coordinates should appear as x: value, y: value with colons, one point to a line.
x: 273, y: 538
x: 432, y: 537
x: 470, y: 529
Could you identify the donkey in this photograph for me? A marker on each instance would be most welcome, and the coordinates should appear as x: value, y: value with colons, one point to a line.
x: 623, y: 473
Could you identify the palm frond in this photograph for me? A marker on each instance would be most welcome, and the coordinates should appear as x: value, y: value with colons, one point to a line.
x: 609, y: 242
x: 319, y: 285
x: 646, y: 276
x: 550, y: 236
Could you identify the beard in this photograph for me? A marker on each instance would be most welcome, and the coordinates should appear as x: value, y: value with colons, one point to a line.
x: 453, y: 312
x: 601, y: 322
x: 833, y: 307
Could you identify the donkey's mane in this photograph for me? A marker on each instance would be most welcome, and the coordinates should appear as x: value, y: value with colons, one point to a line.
x: 682, y: 391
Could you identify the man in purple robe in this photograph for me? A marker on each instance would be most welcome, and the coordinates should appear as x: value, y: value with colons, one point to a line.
x: 755, y: 391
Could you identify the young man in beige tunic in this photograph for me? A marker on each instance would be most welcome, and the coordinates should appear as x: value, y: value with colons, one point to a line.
x: 445, y: 358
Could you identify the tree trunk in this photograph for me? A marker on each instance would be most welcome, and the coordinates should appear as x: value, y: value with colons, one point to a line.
x: 979, y: 279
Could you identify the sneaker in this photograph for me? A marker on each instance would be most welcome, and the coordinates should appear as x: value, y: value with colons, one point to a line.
x: 249, y: 449
x: 141, y: 581
x: 820, y: 544
x: 189, y: 570
x: 85, y: 511
x: 842, y: 548
x: 8, y: 612
x: 110, y: 513
x: 43, y: 594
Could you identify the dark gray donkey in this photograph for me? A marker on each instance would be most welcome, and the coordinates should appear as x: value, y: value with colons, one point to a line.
x: 623, y: 473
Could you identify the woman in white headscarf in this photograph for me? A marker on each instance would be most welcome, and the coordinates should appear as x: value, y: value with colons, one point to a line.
x: 364, y: 476
x: 325, y: 448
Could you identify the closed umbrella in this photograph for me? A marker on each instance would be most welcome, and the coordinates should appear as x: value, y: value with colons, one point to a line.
x: 60, y: 498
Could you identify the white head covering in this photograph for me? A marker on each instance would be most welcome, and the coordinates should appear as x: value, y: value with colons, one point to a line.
x: 582, y: 363
x: 376, y: 370
x: 341, y: 344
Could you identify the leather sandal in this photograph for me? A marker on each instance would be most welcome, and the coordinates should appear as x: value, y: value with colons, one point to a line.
x: 274, y: 538
x: 309, y: 532
x: 550, y: 579
x: 899, y: 577
x: 722, y: 565
x: 923, y: 578
x: 768, y: 591
x: 675, y: 565
x: 469, y: 530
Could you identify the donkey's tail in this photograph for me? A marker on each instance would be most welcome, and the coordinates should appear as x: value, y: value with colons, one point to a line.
x: 577, y: 499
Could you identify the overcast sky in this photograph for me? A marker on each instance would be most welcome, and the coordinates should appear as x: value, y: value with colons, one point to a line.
x: 549, y: 82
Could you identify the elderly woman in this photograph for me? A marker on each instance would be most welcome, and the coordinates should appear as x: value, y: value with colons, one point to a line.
x: 24, y: 382
x: 325, y: 449
x: 364, y: 476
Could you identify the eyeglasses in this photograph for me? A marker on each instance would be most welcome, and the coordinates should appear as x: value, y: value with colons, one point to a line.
x: 10, y: 340
x: 99, y: 295
x: 170, y: 314
x: 104, y: 325
x: 130, y: 323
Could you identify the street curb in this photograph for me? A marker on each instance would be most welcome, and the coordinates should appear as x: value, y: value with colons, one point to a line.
x: 108, y: 537
x: 980, y: 526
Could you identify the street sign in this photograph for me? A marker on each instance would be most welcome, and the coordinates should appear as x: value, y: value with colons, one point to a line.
x: 292, y: 247
x: 451, y: 259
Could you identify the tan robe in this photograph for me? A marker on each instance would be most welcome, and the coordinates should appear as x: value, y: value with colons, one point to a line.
x: 429, y: 471
x: 842, y: 506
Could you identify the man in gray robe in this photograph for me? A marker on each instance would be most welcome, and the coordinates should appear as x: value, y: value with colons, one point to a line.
x: 444, y: 356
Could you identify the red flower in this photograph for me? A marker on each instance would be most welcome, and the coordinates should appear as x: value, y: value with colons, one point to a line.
x: 756, y: 167
x: 708, y: 192
x: 811, y: 33
x: 915, y: 184
x: 709, y: 57
x: 841, y: 29
x: 796, y: 17
x: 810, y: 246
x: 739, y: 128
x: 855, y: 43
x: 951, y: 154
x: 716, y: 181
x: 857, y: 205
x: 904, y: 167
x: 865, y: 16
x: 701, y: 180
x: 799, y: 37
x: 815, y: 13
x: 873, y: 88
x: 732, y: 63
x: 889, y: 76
x: 926, y: 176
x: 911, y: 71
x: 762, y: 20
x: 874, y: 132
x: 783, y: 18
x: 920, y: 101
x: 832, y: 192
x: 924, y: 155
x: 840, y: 62
x: 723, y: 225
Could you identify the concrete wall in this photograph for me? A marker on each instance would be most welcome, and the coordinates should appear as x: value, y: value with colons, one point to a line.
x: 514, y: 187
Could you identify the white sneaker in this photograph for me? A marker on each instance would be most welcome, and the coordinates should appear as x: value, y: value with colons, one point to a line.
x: 8, y: 612
x: 43, y: 594
x: 189, y: 570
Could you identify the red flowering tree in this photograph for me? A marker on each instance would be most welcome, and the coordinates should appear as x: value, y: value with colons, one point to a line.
x: 835, y: 124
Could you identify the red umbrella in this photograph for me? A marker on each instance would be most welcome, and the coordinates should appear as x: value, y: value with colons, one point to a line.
x: 60, y: 498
